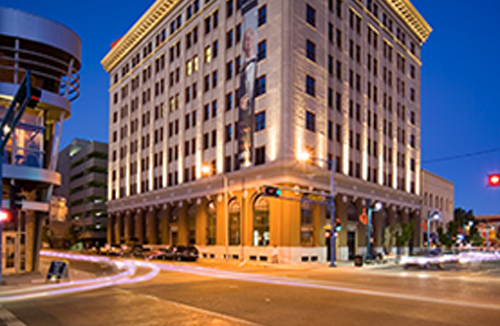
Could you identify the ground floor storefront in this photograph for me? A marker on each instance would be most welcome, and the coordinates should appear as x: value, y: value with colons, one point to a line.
x: 293, y: 225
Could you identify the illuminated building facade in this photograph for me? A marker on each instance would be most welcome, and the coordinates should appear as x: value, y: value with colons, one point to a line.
x: 52, y: 53
x: 339, y: 80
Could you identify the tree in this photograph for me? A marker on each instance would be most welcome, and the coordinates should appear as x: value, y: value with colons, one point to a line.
x: 72, y: 234
x: 47, y: 236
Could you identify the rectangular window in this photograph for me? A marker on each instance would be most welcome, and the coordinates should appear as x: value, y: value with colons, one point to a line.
x: 310, y: 121
x: 338, y: 101
x: 310, y: 50
x: 330, y: 130
x: 229, y: 70
x: 214, y: 109
x: 310, y: 85
x: 215, y: 49
x: 262, y: 15
x: 330, y: 65
x: 260, y: 121
x: 229, y: 8
x: 338, y: 133
x: 238, y: 33
x: 206, y: 114
x: 229, y: 101
x: 262, y: 50
x: 229, y: 39
x: 229, y: 132
x: 261, y: 86
x: 330, y: 98
x: 310, y: 15
x: 260, y: 155
x: 214, y: 138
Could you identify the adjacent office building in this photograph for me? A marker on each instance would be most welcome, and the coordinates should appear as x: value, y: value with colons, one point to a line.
x: 83, y: 166
x: 437, y: 197
x: 52, y: 53
x: 205, y: 94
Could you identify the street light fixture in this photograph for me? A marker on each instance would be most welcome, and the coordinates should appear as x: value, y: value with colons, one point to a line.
x: 431, y: 216
x: 375, y: 207
x: 303, y: 158
x: 206, y: 170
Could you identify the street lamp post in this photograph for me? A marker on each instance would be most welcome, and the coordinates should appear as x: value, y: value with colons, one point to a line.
x: 431, y: 215
x: 304, y: 157
x: 377, y: 206
x: 206, y: 170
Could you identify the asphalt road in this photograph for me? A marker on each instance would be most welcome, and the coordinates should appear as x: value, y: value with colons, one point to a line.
x: 193, y: 294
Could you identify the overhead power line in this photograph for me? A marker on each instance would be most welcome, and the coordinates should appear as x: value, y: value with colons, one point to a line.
x: 456, y: 157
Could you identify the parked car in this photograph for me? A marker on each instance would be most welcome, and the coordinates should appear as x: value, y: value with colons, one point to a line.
x: 176, y: 252
x: 187, y: 253
x: 162, y: 254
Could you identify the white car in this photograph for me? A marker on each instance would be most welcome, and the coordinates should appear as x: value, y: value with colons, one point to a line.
x: 434, y: 258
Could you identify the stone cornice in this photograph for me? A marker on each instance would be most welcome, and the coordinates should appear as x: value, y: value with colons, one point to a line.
x: 149, y: 20
x: 412, y: 17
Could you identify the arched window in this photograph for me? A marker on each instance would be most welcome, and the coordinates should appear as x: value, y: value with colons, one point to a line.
x: 261, y: 222
x: 306, y: 225
x: 191, y: 220
x: 211, y: 211
x: 234, y: 222
x: 159, y: 225
x: 352, y: 214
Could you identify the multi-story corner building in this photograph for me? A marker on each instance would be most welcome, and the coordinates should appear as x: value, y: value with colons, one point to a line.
x: 83, y: 166
x: 52, y: 53
x: 339, y: 80
x: 437, y: 196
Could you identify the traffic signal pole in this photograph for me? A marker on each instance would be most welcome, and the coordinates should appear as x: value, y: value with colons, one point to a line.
x: 333, y: 233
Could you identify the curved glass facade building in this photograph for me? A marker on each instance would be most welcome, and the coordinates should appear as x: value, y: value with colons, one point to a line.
x: 52, y: 52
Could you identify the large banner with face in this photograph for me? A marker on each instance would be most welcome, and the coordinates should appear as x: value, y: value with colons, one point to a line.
x: 248, y: 74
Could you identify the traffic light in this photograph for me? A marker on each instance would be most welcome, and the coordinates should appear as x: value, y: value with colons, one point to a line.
x: 35, y: 97
x: 494, y: 179
x: 328, y: 234
x: 272, y: 191
x: 4, y: 216
x: 16, y: 197
x: 338, y: 225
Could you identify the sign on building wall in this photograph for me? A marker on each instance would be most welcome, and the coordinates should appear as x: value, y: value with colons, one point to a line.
x: 248, y: 73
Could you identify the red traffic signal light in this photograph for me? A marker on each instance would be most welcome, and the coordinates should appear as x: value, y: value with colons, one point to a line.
x: 272, y: 191
x: 4, y: 216
x: 494, y: 180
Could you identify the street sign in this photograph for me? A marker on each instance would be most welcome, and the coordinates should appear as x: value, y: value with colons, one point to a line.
x: 363, y: 218
x: 315, y: 197
x: 58, y: 270
x: 423, y: 225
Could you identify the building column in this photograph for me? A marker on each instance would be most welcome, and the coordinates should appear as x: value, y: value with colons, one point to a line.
x: 110, y: 230
x: 417, y: 231
x: 378, y: 228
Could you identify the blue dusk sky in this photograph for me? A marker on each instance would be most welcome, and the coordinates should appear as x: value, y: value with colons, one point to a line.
x: 459, y: 94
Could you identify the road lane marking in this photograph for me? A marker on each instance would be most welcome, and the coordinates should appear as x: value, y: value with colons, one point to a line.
x: 9, y: 319
x: 264, y: 279
x: 195, y: 309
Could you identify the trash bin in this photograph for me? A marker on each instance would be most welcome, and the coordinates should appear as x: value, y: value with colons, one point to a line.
x: 358, y: 261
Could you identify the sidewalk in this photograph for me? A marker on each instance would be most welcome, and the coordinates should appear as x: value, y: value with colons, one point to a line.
x: 29, y: 279
x: 242, y: 265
